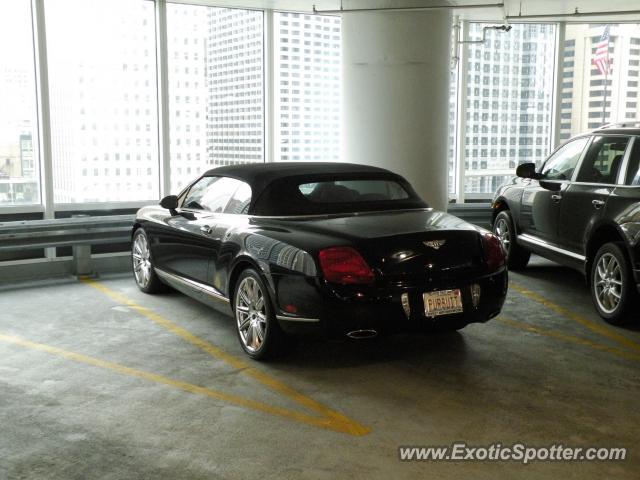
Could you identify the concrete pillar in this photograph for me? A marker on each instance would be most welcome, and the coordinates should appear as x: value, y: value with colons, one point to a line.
x: 396, y: 95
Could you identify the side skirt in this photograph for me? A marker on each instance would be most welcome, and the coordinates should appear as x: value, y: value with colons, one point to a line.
x: 196, y: 290
x: 552, y: 252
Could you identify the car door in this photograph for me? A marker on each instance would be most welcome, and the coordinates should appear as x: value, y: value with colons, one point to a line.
x: 191, y: 239
x: 540, y: 204
x: 584, y: 201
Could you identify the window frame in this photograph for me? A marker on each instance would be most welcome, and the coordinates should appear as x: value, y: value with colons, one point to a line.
x: 37, y: 134
x: 185, y: 193
x: 621, y: 175
x: 47, y: 206
x: 585, y: 149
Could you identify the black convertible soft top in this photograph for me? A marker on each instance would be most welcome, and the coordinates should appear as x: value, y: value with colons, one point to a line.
x: 259, y: 175
x: 274, y: 185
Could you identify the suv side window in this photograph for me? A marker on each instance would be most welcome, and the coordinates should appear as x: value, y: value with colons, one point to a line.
x: 560, y: 165
x: 239, y: 203
x: 633, y: 172
x: 602, y: 162
x: 211, y: 194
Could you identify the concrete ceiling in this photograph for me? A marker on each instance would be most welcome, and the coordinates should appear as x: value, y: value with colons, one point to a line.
x: 512, y: 8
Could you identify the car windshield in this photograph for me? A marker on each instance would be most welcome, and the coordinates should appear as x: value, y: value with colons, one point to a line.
x: 315, y: 195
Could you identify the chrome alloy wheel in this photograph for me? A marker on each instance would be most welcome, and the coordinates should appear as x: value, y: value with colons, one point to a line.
x: 141, y: 260
x: 251, y: 314
x: 608, y: 283
x: 501, y: 230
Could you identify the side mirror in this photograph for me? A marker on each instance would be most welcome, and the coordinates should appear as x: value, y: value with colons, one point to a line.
x: 170, y: 202
x: 527, y: 170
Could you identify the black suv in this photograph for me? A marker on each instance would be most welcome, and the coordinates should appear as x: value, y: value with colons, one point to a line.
x: 581, y: 209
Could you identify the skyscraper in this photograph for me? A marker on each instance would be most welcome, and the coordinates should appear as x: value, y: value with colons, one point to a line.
x: 234, y: 59
x: 509, y: 103
x: 103, y: 95
x: 584, y: 86
x: 308, y: 93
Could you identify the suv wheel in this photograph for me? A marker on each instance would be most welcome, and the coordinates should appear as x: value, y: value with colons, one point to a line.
x: 612, y: 286
x: 517, y: 256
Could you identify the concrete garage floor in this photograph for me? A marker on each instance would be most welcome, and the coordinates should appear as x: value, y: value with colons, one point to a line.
x: 101, y: 381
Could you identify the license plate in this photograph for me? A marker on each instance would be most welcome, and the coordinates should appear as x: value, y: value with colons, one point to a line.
x: 443, y: 302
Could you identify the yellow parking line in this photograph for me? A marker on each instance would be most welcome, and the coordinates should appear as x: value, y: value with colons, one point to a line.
x: 585, y: 322
x: 348, y: 425
x: 323, y: 422
x: 569, y: 338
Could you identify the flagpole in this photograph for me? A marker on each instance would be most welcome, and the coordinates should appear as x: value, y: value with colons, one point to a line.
x: 604, y: 103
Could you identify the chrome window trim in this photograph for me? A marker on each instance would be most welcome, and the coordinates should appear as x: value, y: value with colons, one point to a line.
x: 542, y: 243
x: 622, y: 174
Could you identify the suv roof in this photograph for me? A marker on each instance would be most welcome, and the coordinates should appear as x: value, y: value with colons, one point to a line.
x: 632, y: 128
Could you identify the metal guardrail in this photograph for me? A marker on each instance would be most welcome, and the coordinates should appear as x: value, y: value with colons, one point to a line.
x: 78, y: 232
x: 82, y: 232
x: 476, y: 213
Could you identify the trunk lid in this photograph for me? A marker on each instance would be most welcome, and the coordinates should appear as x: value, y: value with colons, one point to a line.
x: 405, y: 245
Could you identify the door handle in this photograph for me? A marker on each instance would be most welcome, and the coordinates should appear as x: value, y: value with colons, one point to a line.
x: 206, y: 229
x: 597, y: 203
x: 556, y: 198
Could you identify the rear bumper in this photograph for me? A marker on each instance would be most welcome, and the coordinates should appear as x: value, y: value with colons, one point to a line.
x: 334, y: 313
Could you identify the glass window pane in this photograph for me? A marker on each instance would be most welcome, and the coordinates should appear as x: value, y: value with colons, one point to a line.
x: 562, y: 163
x: 19, y: 164
x: 216, y: 89
x: 193, y: 200
x: 102, y: 80
x: 307, y: 58
x: 240, y: 201
x: 603, y: 159
x: 633, y: 171
x: 599, y: 81
x: 509, y: 106
x: 211, y: 194
x: 452, y: 150
x: 350, y: 191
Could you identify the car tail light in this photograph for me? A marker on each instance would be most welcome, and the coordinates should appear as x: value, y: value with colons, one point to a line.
x: 345, y: 265
x: 494, y: 253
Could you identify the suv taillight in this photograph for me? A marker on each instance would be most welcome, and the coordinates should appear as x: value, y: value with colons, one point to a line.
x: 494, y: 253
x: 344, y: 265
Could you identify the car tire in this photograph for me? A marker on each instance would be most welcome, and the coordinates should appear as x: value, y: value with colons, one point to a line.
x: 503, y: 227
x: 142, y: 264
x: 612, y: 285
x: 258, y: 331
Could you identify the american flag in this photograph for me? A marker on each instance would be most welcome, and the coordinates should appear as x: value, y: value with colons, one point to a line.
x: 601, y: 55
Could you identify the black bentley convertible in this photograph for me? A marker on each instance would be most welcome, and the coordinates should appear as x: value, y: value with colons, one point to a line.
x: 318, y: 248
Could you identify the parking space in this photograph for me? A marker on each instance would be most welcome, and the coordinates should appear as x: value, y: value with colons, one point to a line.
x: 117, y: 384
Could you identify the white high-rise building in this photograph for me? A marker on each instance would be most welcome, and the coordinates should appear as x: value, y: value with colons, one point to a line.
x: 104, y: 98
x: 583, y: 94
x: 235, y: 83
x: 102, y: 89
x: 509, y: 110
x: 308, y: 91
x: 187, y: 43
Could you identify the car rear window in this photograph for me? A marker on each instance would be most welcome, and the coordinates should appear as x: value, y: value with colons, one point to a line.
x: 321, y: 194
x: 353, y: 191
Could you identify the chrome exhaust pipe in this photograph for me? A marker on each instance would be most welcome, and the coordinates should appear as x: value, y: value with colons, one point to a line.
x: 362, y: 334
